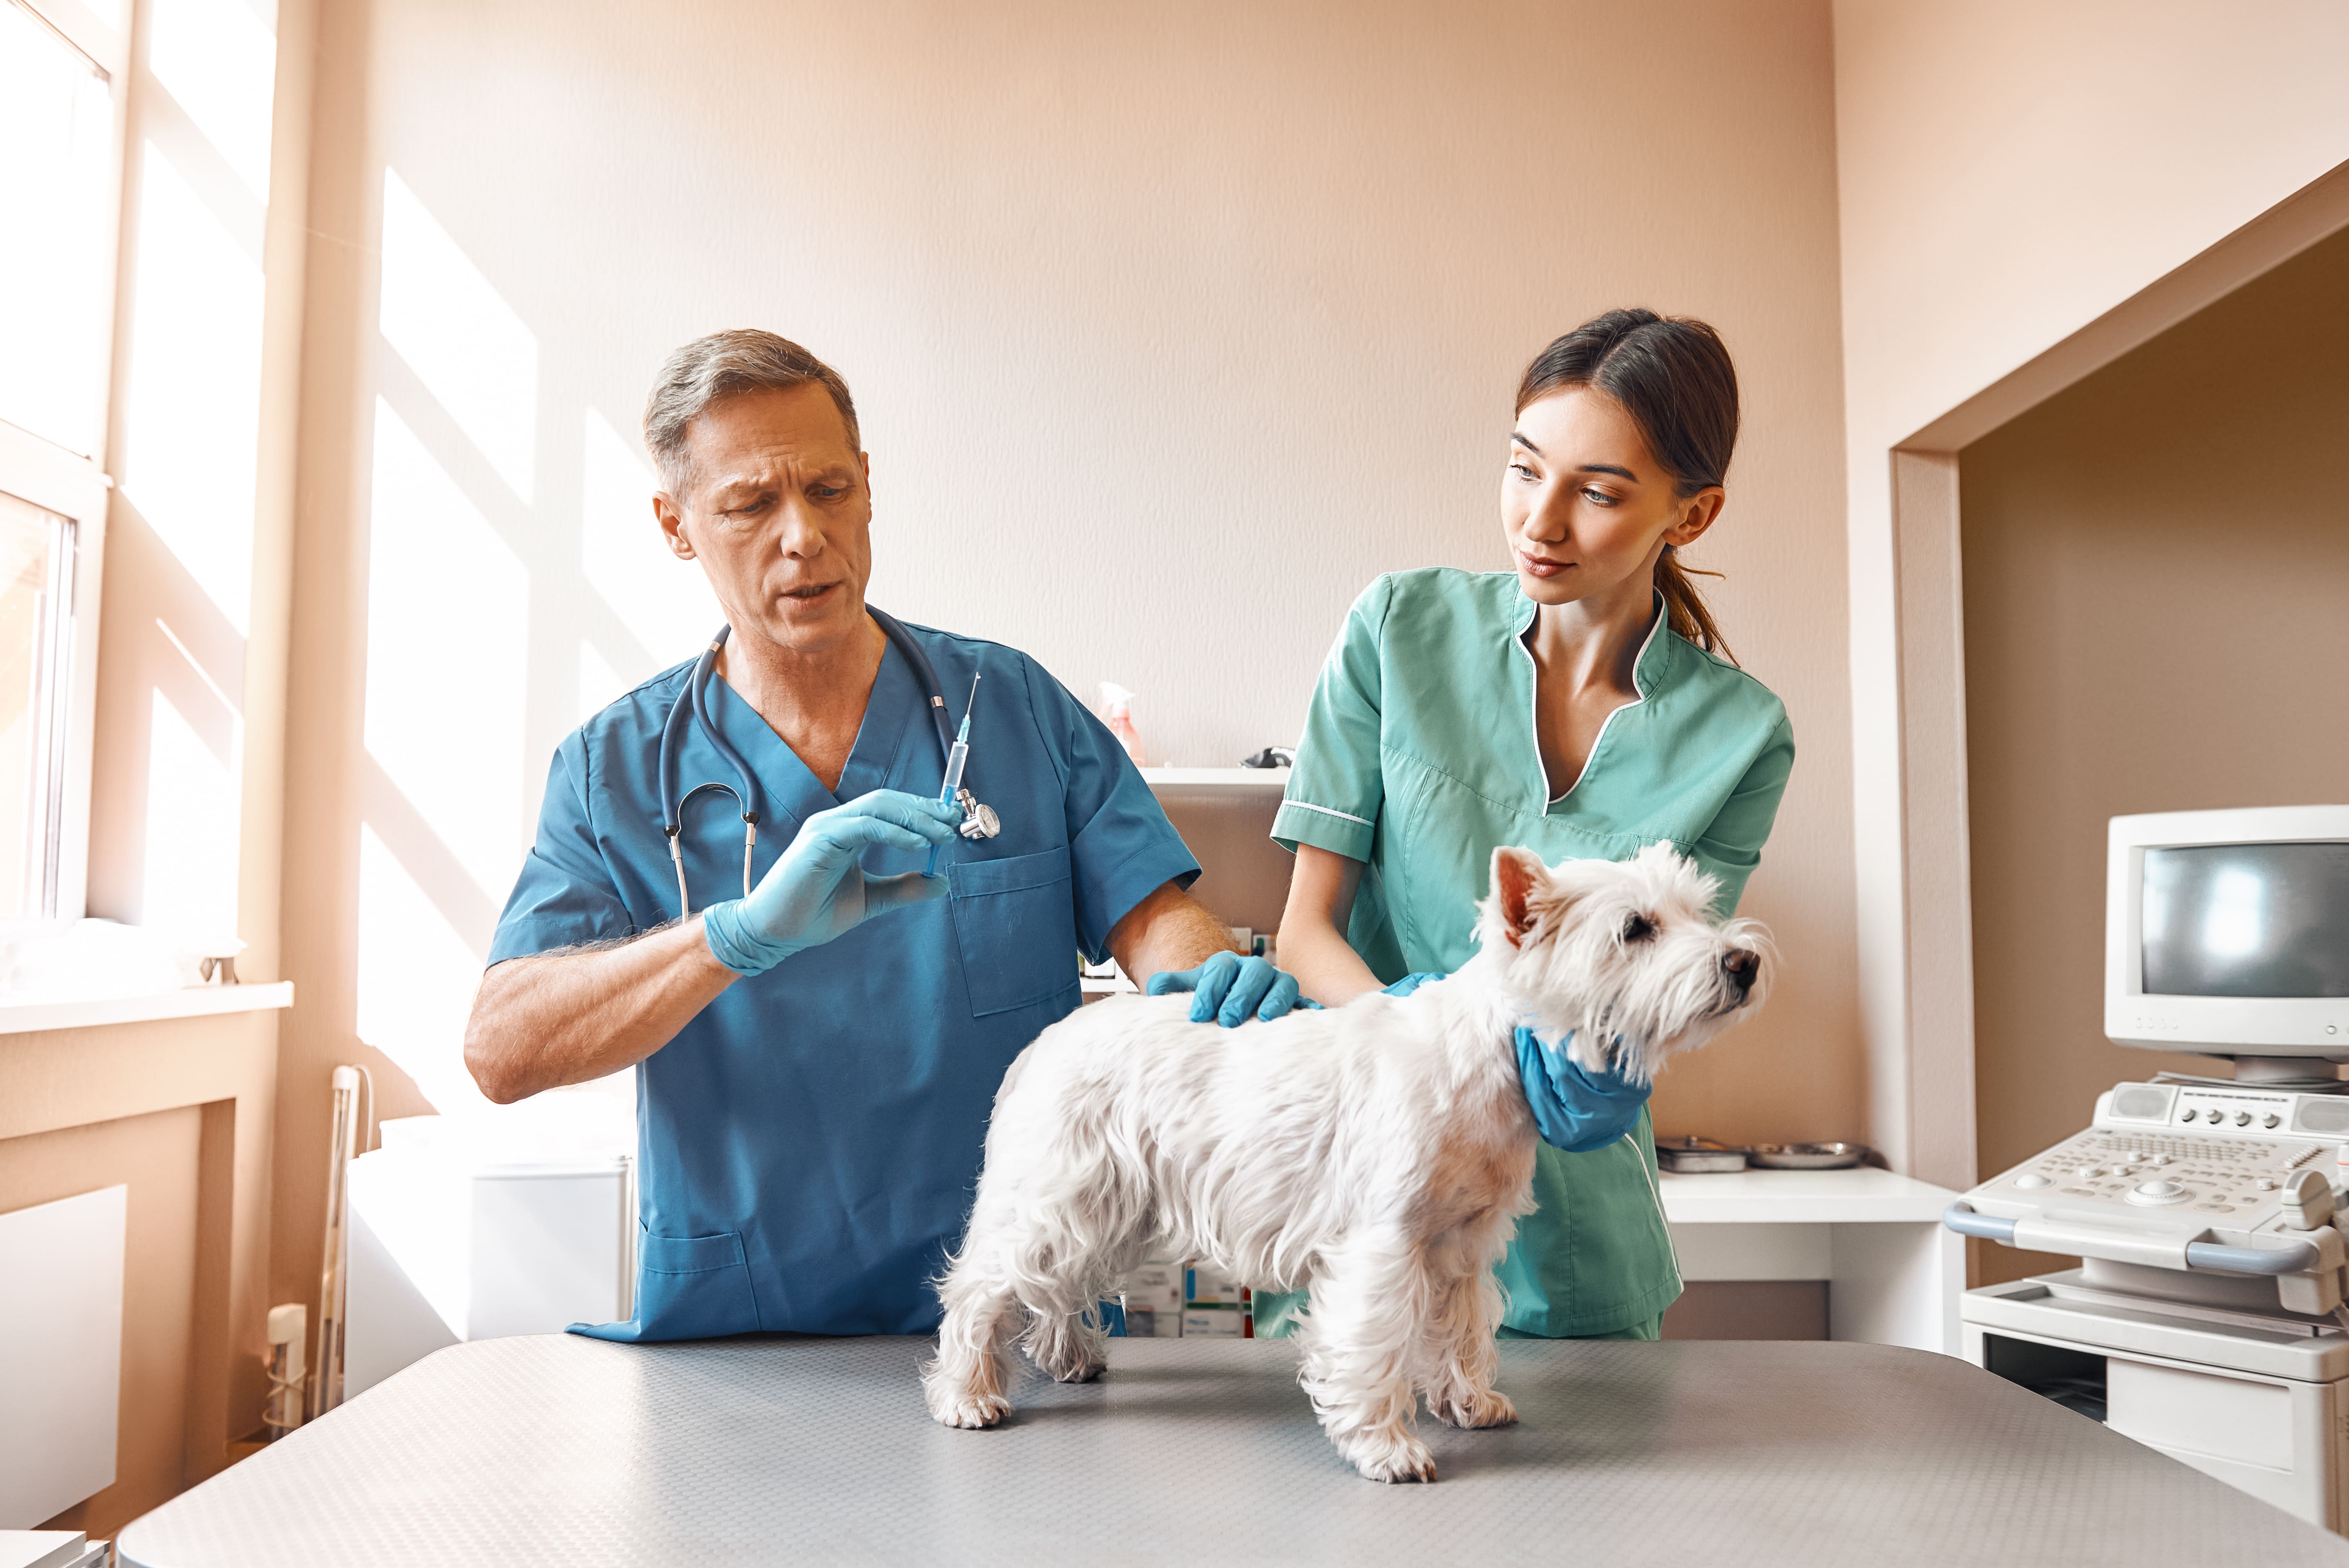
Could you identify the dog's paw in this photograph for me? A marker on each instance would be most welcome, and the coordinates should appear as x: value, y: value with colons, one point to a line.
x: 972, y: 1412
x: 1489, y: 1408
x: 1069, y: 1360
x: 1399, y: 1458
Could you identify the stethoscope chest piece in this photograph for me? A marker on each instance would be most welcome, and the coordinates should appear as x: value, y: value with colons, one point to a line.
x: 978, y: 819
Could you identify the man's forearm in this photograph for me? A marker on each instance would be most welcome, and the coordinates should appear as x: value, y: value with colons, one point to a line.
x: 1169, y: 930
x: 567, y: 1017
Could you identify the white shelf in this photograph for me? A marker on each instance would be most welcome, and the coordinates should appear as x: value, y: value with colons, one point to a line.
x: 1216, y: 777
x: 194, y: 1002
x: 1858, y: 1196
x: 1893, y: 1274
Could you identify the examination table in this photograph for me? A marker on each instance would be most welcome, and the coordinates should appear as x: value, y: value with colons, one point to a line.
x: 557, y: 1449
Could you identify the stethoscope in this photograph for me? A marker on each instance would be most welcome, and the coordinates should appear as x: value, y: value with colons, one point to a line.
x: 692, y: 706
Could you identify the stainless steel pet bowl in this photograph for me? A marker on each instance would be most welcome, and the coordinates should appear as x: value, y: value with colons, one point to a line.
x: 1808, y: 1156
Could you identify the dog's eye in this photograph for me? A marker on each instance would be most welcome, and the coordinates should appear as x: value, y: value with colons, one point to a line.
x: 1638, y: 928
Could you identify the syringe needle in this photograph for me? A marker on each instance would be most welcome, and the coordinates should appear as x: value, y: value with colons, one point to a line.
x: 956, y: 754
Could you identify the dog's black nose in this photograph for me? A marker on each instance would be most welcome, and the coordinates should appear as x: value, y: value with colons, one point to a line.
x: 1741, y: 965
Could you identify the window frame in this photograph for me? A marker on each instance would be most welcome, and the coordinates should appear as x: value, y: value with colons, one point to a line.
x: 56, y: 479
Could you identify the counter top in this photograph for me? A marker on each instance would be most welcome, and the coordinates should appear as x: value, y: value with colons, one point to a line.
x: 1801, y: 1198
x: 551, y: 1448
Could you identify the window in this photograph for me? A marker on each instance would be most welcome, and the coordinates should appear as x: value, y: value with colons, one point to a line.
x: 36, y: 561
x: 60, y: 193
x: 57, y: 195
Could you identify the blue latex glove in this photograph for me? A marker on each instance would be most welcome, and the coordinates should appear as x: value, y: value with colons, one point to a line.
x: 1573, y: 1109
x: 817, y: 890
x: 1228, y: 989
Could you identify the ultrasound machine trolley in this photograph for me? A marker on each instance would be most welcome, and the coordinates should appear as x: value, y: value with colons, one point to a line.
x: 2207, y: 1317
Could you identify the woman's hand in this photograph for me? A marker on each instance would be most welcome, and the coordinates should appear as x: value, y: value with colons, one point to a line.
x: 1312, y: 940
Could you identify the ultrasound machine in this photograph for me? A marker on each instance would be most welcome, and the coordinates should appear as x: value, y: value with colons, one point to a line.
x: 2207, y: 1317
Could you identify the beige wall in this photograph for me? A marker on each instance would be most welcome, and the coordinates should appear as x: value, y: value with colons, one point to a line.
x: 1170, y: 330
x: 2009, y: 173
x: 189, y: 755
x: 2156, y: 569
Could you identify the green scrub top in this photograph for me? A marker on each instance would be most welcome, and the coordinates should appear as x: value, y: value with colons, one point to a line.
x: 1420, y: 758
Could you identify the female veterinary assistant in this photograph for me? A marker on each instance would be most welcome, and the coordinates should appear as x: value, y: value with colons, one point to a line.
x: 1579, y: 706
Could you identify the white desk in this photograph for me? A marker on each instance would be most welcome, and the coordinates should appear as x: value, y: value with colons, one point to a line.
x: 1894, y: 1275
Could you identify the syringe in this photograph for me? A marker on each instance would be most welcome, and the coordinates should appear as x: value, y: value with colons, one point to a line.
x: 957, y: 755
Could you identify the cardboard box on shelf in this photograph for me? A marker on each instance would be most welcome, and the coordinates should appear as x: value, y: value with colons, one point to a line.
x: 1202, y: 1285
x: 1153, y: 1301
x: 1216, y: 1322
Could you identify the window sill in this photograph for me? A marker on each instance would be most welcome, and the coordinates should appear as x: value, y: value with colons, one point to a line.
x: 193, y: 1002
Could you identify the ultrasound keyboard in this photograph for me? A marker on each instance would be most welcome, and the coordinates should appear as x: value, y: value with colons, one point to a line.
x: 2202, y: 1174
x: 2148, y: 1185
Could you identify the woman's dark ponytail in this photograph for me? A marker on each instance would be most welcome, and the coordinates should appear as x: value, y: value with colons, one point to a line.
x: 1674, y: 377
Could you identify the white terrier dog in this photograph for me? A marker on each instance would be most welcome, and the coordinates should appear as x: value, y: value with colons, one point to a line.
x: 1378, y: 1154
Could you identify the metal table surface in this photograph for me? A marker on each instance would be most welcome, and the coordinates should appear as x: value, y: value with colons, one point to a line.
x: 566, y: 1451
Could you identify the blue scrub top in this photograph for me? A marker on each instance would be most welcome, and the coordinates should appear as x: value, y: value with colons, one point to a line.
x: 809, y: 1144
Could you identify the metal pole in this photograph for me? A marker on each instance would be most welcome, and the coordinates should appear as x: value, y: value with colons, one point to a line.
x: 326, y: 1376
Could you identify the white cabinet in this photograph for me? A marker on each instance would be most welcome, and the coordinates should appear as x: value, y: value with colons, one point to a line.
x: 60, y: 1352
x: 2261, y: 1403
x: 447, y: 1246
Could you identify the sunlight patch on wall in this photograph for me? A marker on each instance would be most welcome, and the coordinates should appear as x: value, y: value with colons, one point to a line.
x: 447, y: 612
x: 192, y: 406
x: 600, y: 685
x: 218, y: 61
x: 664, y: 602
x: 416, y: 981
x: 461, y: 338
x: 192, y: 831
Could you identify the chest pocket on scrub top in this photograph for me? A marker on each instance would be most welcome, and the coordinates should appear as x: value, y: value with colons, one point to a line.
x: 1015, y: 919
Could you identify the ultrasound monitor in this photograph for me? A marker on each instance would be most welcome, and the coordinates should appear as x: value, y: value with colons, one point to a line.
x: 2226, y: 933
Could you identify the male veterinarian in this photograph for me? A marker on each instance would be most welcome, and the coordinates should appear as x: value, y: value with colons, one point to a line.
x: 816, y: 1059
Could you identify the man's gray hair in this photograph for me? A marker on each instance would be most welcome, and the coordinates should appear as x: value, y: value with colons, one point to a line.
x: 720, y: 366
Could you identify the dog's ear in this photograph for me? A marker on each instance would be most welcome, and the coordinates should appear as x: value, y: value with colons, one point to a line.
x: 1516, y: 874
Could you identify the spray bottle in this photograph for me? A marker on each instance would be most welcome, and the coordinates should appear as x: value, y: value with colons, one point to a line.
x: 1120, y: 704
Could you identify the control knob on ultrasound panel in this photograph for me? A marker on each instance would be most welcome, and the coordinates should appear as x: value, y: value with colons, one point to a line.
x: 2154, y: 1192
